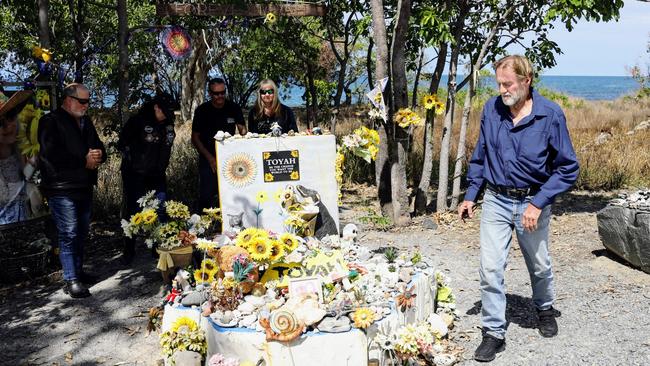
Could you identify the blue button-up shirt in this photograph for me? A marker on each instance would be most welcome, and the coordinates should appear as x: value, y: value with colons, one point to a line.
x: 537, y: 152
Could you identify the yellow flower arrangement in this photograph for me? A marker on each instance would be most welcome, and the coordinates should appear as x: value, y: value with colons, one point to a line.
x: 246, y: 236
x: 137, y: 219
x: 176, y: 210
x: 261, y: 197
x: 294, y: 175
x: 201, y: 276
x: 260, y: 249
x: 295, y: 222
x: 405, y: 117
x: 290, y: 242
x: 210, y: 266
x: 363, y: 317
x: 184, y: 324
x: 277, y: 250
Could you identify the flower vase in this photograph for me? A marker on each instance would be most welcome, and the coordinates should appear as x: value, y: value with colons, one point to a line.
x: 168, y: 260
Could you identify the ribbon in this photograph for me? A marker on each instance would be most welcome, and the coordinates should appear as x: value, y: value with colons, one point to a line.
x: 165, y: 260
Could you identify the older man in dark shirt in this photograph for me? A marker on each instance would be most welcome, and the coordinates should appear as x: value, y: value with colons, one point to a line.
x: 524, y: 157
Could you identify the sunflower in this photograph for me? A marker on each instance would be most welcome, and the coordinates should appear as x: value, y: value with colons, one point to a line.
x: 363, y: 317
x: 240, y: 170
x: 184, y: 324
x: 268, y: 177
x: 290, y: 241
x: 261, y: 197
x: 266, y: 155
x: 277, y: 250
x: 260, y: 249
x: 440, y: 107
x: 294, y: 175
x: 429, y: 101
x: 205, y: 245
x: 294, y: 153
x: 269, y: 18
x: 245, y: 237
x: 149, y: 217
x: 213, y: 213
x: 210, y: 266
x: 136, y: 219
x: 201, y: 276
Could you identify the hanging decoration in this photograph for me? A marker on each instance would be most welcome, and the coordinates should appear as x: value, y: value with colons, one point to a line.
x: 176, y: 41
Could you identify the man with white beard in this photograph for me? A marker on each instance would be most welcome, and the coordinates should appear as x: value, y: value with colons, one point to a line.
x: 523, y: 159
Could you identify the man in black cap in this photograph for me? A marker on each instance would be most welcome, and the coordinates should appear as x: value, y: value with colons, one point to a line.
x: 146, y: 143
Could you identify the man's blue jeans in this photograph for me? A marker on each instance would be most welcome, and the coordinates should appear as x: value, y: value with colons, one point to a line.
x: 501, y: 215
x: 72, y: 219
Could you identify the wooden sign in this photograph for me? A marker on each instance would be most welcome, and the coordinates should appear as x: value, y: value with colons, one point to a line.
x: 289, y: 10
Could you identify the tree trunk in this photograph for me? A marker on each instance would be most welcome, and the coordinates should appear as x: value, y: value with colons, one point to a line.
x: 123, y: 61
x: 371, y: 43
x: 313, y: 96
x: 193, y: 80
x: 44, y: 23
x: 416, y: 82
x: 382, y: 163
x: 473, y: 80
x: 460, y: 153
x: 76, y: 17
x: 340, y: 84
x: 421, y: 196
x: 400, y: 100
x: 445, y: 143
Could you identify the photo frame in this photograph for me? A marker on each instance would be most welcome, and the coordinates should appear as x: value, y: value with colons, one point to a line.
x: 306, y: 285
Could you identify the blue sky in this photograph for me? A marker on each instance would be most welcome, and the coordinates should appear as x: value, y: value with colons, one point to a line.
x: 604, y: 49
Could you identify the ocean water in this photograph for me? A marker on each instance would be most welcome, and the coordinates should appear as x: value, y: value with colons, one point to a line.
x: 585, y: 87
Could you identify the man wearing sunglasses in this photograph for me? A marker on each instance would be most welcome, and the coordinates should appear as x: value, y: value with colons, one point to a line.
x: 218, y: 114
x: 70, y: 154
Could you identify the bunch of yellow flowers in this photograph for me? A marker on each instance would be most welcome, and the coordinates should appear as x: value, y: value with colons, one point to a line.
x: 405, y: 117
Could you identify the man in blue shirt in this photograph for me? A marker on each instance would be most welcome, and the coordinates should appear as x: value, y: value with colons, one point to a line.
x: 523, y: 159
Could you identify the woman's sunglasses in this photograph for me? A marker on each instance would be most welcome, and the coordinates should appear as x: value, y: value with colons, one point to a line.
x: 267, y: 92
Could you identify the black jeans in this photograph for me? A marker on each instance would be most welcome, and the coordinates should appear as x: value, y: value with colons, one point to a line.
x: 208, y: 187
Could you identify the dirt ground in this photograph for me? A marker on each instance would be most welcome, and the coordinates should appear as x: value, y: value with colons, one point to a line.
x: 604, y: 303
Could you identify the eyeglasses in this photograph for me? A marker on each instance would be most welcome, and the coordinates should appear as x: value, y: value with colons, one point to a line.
x: 218, y: 93
x: 267, y: 92
x: 80, y: 100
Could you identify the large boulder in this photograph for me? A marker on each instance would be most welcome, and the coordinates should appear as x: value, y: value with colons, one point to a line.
x: 626, y: 232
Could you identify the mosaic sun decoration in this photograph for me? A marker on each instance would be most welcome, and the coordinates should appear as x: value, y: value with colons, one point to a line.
x: 240, y: 170
x: 177, y: 42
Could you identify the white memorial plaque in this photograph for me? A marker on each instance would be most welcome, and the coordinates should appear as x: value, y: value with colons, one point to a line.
x: 253, y: 173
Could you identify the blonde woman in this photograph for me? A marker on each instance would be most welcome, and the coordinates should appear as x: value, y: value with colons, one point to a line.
x: 268, y: 110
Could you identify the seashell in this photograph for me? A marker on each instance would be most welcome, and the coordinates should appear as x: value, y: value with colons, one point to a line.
x: 248, y: 320
x: 283, y: 321
x: 227, y: 135
x: 444, y: 359
x: 256, y: 301
x: 219, y: 136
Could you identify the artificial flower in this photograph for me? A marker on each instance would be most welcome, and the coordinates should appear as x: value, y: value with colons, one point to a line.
x: 245, y: 237
x: 429, y: 101
x: 213, y: 213
x: 205, y: 245
x: 405, y: 117
x: 228, y: 283
x: 406, y: 299
x: 260, y: 249
x: 177, y: 210
x: 209, y: 265
x: 290, y: 241
x: 363, y: 317
x: 439, y: 107
x: 184, y: 324
x: 270, y: 18
x: 201, y: 276
x: 277, y: 250
x: 149, y: 216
